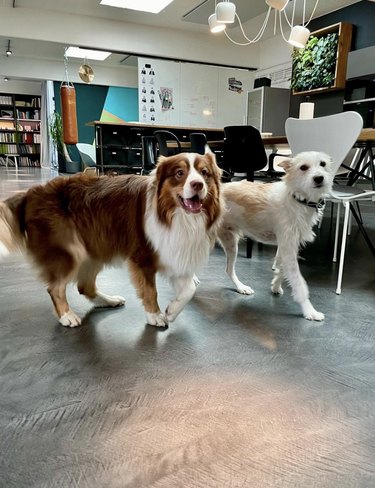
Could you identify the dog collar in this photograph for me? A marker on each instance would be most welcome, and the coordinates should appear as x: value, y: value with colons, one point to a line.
x: 317, y: 205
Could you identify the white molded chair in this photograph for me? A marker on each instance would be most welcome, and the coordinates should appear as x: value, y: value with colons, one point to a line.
x: 87, y: 153
x: 334, y: 135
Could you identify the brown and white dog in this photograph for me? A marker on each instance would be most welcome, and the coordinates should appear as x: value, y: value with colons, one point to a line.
x: 72, y: 226
x: 283, y: 214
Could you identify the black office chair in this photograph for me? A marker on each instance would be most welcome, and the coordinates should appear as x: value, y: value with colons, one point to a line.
x: 198, y: 142
x: 148, y: 154
x: 162, y: 138
x: 244, y: 152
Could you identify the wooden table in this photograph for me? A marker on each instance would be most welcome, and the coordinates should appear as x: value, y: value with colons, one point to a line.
x: 366, y: 161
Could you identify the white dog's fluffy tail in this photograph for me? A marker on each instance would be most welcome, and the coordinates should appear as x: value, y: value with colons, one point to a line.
x: 12, y: 237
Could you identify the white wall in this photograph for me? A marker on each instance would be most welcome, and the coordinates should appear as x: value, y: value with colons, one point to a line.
x: 40, y: 69
x: 21, y: 86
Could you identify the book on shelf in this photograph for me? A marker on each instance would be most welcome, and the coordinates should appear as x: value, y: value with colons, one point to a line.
x: 7, y: 137
x: 6, y: 100
x: 8, y: 149
x: 6, y: 125
x: 33, y: 102
x: 28, y: 114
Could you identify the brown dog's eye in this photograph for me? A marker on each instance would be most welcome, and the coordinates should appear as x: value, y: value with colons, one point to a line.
x: 322, y: 163
x: 304, y: 167
x: 204, y: 172
x: 180, y: 173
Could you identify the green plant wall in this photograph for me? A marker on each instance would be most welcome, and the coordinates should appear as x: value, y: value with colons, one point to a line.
x: 315, y: 65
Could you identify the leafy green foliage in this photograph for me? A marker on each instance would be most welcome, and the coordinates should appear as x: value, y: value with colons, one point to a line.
x: 314, y: 66
x: 56, y: 131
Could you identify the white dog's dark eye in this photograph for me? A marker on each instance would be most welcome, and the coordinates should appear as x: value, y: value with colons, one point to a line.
x: 204, y: 172
x: 322, y: 163
x: 180, y: 173
x: 304, y: 167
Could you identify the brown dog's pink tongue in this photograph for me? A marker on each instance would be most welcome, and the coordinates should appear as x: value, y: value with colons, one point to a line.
x: 192, y: 204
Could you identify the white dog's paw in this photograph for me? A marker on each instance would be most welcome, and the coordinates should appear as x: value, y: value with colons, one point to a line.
x: 70, y: 319
x: 277, y: 289
x: 157, y: 319
x: 196, y: 280
x: 104, y: 301
x: 314, y: 315
x: 245, y: 290
x: 173, y: 309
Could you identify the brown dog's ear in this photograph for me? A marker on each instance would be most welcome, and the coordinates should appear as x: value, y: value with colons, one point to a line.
x: 212, y: 159
x: 161, y: 159
x: 210, y: 155
x: 161, y: 168
x: 286, y: 164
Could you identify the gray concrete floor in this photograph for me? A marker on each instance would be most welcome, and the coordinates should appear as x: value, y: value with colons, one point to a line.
x: 238, y: 392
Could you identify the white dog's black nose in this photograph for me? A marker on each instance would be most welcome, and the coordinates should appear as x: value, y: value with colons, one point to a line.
x: 318, y: 179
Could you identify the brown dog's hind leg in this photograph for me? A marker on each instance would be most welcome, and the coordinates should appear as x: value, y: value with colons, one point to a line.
x: 86, y: 285
x: 58, y: 268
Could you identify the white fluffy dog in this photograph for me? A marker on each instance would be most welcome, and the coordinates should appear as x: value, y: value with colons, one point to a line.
x: 282, y: 213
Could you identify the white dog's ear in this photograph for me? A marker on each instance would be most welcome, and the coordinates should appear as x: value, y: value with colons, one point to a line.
x: 207, y: 149
x: 285, y: 164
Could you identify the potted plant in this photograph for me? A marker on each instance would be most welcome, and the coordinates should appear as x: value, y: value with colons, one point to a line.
x: 65, y: 163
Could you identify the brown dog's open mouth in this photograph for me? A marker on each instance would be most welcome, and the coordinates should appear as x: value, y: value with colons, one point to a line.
x: 192, y: 205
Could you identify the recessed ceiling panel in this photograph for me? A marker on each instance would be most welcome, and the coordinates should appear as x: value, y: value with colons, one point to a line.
x: 246, y: 10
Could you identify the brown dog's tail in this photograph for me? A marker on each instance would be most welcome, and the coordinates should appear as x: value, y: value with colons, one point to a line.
x: 12, y: 229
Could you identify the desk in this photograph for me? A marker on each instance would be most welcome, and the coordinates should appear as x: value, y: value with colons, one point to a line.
x: 120, y: 145
x: 366, y: 162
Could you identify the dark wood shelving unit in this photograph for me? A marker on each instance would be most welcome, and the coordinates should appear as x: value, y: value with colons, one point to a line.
x: 20, y: 121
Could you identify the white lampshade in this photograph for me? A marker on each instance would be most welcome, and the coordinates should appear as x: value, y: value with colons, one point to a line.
x: 299, y: 35
x: 277, y: 4
x: 214, y: 24
x: 225, y: 12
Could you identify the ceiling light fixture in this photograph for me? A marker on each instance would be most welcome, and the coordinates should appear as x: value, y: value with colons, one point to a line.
x: 215, y: 26
x: 8, y: 52
x: 150, y: 6
x: 77, y: 52
x: 225, y: 13
x: 6, y: 78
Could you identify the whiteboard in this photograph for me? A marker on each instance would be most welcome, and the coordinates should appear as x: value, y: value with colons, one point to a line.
x: 192, y: 95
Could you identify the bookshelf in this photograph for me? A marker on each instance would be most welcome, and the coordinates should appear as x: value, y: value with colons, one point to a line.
x: 20, y: 129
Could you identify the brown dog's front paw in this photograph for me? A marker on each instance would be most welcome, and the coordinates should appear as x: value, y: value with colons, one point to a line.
x: 157, y: 319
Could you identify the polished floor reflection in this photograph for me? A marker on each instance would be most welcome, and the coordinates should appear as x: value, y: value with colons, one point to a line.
x: 238, y: 392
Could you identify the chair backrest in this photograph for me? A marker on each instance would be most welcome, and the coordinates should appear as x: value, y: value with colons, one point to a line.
x: 198, y: 142
x: 162, y: 137
x: 87, y: 153
x: 148, y: 153
x: 334, y: 135
x: 243, y: 150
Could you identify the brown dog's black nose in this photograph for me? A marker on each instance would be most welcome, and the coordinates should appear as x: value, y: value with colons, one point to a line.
x: 318, y: 179
x: 196, y: 185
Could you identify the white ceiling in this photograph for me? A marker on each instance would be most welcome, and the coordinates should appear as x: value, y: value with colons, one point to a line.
x: 186, y: 15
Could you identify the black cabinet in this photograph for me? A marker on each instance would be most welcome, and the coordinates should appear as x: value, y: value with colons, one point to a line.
x: 360, y: 97
x: 119, y: 146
